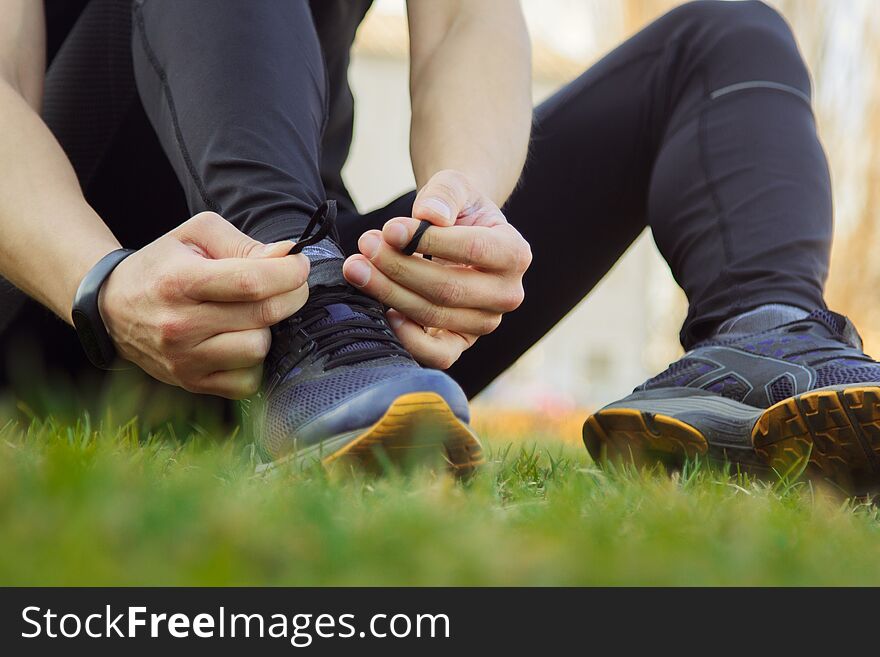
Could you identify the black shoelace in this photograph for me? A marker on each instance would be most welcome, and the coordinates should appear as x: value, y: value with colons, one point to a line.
x: 298, y: 336
x: 322, y: 222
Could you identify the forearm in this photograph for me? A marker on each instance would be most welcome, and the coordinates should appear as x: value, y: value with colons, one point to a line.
x: 471, y: 94
x: 51, y: 237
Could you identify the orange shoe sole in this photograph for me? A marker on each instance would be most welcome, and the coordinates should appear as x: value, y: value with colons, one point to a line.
x: 418, y: 429
x: 641, y: 437
x: 835, y: 434
x: 831, y: 434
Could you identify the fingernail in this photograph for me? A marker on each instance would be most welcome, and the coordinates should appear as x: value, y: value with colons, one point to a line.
x: 358, y: 272
x: 396, y: 234
x: 438, y: 206
x: 369, y: 244
x: 395, y: 320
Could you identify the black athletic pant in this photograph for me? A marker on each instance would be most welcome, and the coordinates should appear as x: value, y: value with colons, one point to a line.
x: 699, y: 126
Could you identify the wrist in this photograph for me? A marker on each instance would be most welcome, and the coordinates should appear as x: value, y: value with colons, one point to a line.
x: 77, y: 270
x: 86, y: 314
x: 487, y: 184
x: 109, y: 300
x: 482, y: 182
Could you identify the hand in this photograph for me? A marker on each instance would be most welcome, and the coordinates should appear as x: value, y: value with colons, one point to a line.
x: 193, y: 308
x: 440, y: 307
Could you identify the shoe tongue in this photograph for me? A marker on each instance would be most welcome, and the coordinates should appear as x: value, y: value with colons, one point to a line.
x: 337, y: 312
x: 326, y: 264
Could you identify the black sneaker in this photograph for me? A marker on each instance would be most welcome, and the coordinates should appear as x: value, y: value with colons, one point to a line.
x: 339, y: 385
x: 800, y: 393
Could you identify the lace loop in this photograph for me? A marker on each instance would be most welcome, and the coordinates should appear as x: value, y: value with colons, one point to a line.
x: 324, y: 219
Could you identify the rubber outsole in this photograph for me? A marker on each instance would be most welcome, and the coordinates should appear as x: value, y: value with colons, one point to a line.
x: 832, y: 435
x: 835, y: 432
x: 418, y: 428
x: 641, y: 437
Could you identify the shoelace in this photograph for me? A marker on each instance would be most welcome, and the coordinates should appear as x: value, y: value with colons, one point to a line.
x: 324, y: 220
x: 298, y: 337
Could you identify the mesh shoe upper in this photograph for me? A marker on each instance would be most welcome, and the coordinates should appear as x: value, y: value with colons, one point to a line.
x: 337, y: 352
x: 822, y: 349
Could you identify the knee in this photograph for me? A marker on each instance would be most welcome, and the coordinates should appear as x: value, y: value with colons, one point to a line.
x: 720, y: 14
x: 747, y: 39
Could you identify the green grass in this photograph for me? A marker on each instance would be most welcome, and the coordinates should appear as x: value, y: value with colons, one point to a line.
x: 99, y: 503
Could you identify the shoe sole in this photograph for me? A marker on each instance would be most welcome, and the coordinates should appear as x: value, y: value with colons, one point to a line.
x: 419, y: 428
x: 641, y: 436
x: 836, y: 431
x: 831, y: 433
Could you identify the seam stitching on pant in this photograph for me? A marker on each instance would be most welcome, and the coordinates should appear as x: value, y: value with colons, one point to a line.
x: 713, y: 192
x: 178, y: 134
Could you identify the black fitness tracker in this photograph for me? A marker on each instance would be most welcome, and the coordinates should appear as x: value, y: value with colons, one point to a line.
x: 86, y: 317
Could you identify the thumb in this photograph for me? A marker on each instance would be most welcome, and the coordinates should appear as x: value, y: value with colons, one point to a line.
x: 442, y: 198
x: 214, y: 237
x: 271, y: 250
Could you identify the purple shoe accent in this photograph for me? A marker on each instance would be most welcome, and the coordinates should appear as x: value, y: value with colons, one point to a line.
x: 339, y: 312
x: 760, y: 369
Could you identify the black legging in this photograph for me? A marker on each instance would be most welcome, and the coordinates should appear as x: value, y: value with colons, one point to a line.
x: 699, y: 126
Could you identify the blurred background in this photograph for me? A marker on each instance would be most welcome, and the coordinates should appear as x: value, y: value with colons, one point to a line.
x: 594, y: 362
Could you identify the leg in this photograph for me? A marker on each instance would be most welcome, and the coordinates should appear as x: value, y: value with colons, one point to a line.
x: 237, y: 94
x: 786, y: 385
x: 740, y: 199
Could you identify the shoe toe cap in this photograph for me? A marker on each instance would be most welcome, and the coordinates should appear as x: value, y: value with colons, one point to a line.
x: 345, y: 401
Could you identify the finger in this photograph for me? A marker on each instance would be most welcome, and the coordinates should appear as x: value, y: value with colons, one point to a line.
x: 214, y: 237
x: 499, y: 248
x: 232, y: 351
x: 437, y: 348
x: 232, y: 384
x: 217, y: 317
x: 456, y: 287
x: 442, y: 198
x: 245, y: 279
x: 272, y: 250
x: 416, y: 307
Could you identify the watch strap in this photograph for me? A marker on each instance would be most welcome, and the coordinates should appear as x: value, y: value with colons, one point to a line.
x: 86, y: 315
